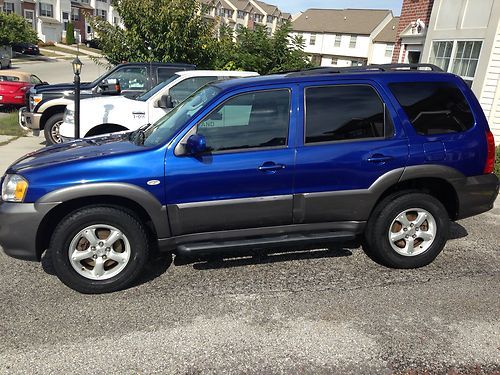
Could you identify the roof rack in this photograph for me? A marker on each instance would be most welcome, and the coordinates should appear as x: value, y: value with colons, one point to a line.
x: 365, y: 68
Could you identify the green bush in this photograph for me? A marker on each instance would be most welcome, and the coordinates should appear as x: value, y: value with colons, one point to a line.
x: 70, y: 34
x: 497, y: 161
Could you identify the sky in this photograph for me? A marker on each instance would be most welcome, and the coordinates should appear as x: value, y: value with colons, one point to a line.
x: 295, y: 6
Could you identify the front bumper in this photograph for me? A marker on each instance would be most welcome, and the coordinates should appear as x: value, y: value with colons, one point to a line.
x: 29, y: 120
x: 19, y: 224
x: 476, y: 194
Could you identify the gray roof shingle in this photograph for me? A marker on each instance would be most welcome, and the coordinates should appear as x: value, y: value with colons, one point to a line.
x: 345, y: 21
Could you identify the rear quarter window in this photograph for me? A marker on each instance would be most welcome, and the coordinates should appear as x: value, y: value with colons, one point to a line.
x: 434, y: 107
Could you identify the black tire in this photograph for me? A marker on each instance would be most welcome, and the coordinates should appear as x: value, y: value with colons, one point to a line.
x: 75, y: 222
x: 376, y: 240
x: 50, y: 128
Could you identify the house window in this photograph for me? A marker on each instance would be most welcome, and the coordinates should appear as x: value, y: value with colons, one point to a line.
x: 46, y: 10
x: 312, y: 40
x: 441, y: 54
x: 101, y: 13
x: 75, y: 14
x: 65, y: 18
x: 228, y: 13
x: 270, y: 19
x: 338, y: 41
x: 8, y: 7
x: 116, y: 21
x: 466, y: 59
x: 458, y: 57
x: 335, y: 61
x: 353, y: 42
x: 389, y: 49
x: 103, y: 1
x: 241, y: 14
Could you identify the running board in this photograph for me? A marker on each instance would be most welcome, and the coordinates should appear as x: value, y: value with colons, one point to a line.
x: 199, y: 248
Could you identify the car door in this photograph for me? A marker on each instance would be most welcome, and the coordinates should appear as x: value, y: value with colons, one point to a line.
x: 349, y: 147
x: 245, y: 180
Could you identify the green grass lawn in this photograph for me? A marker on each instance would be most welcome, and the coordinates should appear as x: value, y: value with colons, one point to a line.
x: 65, y: 50
x: 9, y: 125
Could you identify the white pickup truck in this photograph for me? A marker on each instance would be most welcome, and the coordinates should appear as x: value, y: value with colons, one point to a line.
x: 107, y: 114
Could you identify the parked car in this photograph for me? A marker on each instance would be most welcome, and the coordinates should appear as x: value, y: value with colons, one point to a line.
x: 104, y: 114
x: 26, y: 48
x: 46, y: 104
x: 297, y: 159
x: 14, y: 85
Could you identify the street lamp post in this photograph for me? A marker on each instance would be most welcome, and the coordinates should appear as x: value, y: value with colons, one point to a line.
x: 77, y: 69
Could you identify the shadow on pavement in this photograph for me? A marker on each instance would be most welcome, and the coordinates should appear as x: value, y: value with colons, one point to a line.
x: 457, y: 231
x: 234, y: 259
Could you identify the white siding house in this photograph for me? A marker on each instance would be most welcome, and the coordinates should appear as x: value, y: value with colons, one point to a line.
x: 344, y: 37
x: 464, y: 38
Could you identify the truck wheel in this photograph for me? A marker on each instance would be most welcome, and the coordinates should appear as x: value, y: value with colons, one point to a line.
x: 51, y: 129
x: 407, y: 231
x: 99, y: 250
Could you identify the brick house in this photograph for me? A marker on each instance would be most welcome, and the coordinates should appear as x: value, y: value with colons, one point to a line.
x: 414, y: 20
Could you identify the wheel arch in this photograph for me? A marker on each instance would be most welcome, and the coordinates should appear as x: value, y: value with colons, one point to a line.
x: 132, y: 199
x: 105, y: 128
x: 49, y: 112
x: 423, y: 179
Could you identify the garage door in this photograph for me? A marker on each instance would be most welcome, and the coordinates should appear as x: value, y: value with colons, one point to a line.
x: 51, y: 34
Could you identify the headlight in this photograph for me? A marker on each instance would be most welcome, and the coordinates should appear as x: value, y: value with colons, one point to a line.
x: 14, y: 188
x: 34, y: 100
x: 69, y: 116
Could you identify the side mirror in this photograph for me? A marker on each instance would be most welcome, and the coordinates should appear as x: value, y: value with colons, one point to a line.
x: 165, y: 102
x: 196, y: 144
x: 110, y: 87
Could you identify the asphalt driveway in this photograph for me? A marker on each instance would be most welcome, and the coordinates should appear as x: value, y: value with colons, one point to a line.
x: 322, y: 311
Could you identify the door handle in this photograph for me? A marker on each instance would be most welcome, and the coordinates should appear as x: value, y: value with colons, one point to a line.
x: 378, y: 158
x: 270, y: 167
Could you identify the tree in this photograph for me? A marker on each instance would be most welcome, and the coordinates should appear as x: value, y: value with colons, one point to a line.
x: 15, y: 29
x: 158, y: 30
x: 256, y: 50
x: 70, y: 34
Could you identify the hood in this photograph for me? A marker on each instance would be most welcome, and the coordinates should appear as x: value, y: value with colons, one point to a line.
x: 75, y: 152
x: 41, y: 88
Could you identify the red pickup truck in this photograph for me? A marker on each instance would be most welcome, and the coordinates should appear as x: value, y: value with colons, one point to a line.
x: 14, y: 85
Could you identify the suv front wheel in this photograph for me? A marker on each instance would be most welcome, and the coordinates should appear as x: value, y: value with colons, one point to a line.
x: 407, y: 230
x: 99, y: 250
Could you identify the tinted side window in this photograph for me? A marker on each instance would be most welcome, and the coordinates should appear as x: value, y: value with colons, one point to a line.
x: 165, y: 73
x: 434, y: 107
x: 185, y: 88
x: 253, y: 120
x: 338, y: 113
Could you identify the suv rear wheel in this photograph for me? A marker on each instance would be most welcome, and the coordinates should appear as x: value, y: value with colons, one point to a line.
x: 99, y: 250
x: 407, y: 230
x: 51, y: 129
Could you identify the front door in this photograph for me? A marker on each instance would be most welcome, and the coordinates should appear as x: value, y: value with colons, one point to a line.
x: 245, y: 180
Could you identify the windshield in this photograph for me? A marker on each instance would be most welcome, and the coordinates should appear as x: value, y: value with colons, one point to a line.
x: 154, y: 90
x: 161, y: 131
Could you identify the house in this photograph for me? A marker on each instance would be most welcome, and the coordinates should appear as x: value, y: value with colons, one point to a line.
x: 384, y: 43
x: 51, y: 17
x: 245, y: 13
x: 412, y: 30
x: 463, y: 37
x: 345, y: 37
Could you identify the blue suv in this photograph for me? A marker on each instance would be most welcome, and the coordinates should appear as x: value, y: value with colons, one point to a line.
x: 385, y: 154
